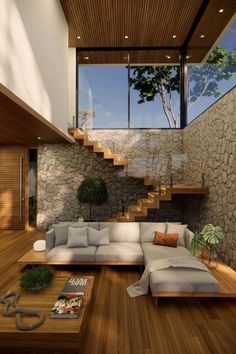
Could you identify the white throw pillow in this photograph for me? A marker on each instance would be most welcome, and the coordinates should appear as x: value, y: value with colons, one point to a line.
x: 98, y: 238
x: 177, y: 229
x: 77, y: 237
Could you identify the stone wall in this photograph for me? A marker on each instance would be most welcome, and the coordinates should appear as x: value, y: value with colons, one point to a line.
x: 151, y: 152
x: 210, y: 145
x: 61, y: 169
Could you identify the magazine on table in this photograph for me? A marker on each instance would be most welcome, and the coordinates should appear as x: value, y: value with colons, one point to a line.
x: 75, y: 286
x: 67, y: 306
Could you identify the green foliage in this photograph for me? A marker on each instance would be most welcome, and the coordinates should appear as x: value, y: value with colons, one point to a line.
x: 36, y: 278
x: 212, y: 234
x: 198, y: 243
x: 92, y: 191
x: 208, y: 237
x: 151, y: 81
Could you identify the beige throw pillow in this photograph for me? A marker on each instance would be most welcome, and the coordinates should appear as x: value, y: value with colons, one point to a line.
x: 177, y: 229
x: 77, y: 237
x: 98, y: 238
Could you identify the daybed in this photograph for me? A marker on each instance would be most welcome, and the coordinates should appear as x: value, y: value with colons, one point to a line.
x: 130, y: 243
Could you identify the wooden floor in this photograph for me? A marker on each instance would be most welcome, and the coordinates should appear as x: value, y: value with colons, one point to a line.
x: 117, y: 324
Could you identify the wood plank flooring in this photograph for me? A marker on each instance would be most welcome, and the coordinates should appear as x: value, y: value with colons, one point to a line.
x: 117, y: 324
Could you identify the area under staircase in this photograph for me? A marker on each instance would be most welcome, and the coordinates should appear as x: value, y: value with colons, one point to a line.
x: 153, y: 200
x: 157, y: 193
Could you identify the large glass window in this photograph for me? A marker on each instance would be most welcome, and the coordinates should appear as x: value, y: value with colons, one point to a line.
x: 128, y: 90
x: 103, y: 86
x: 208, y: 81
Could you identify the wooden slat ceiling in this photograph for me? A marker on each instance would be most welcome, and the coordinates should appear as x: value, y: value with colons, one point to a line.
x: 22, y: 125
x: 149, y: 23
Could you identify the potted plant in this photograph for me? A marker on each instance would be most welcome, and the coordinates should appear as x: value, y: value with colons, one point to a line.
x: 36, y: 278
x: 209, y: 237
x: 92, y: 191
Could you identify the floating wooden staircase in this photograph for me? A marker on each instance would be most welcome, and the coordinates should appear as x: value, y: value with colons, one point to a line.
x: 84, y: 139
x: 153, y: 199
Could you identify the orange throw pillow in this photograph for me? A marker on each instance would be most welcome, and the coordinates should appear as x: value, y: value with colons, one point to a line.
x: 169, y: 240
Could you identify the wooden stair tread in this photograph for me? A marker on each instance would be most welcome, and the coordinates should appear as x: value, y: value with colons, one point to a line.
x: 95, y: 146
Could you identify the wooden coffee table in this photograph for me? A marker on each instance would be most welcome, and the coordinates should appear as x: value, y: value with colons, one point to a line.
x: 57, y: 334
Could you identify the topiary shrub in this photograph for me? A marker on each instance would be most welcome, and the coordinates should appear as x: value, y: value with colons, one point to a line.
x: 93, y: 191
x: 36, y: 278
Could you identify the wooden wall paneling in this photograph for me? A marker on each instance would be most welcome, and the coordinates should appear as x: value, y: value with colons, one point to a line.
x: 12, y: 187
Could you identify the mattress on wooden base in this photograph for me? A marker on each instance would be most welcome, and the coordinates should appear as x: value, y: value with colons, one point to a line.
x: 183, y: 280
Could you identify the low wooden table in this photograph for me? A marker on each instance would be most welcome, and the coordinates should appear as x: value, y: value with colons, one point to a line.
x: 53, y: 334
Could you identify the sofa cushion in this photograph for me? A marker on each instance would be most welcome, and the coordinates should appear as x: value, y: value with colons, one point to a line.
x: 122, y: 231
x: 77, y: 236
x: 183, y: 280
x: 177, y: 229
x: 152, y: 252
x: 61, y: 234
x: 147, y: 230
x: 98, y: 238
x: 120, y: 252
x: 78, y: 254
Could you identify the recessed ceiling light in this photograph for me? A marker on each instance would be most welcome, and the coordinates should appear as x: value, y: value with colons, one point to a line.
x: 187, y: 56
x: 86, y: 58
x: 126, y: 37
x: 202, y: 35
x: 174, y: 36
x: 39, y: 138
x: 78, y: 37
x: 221, y: 10
x: 168, y: 56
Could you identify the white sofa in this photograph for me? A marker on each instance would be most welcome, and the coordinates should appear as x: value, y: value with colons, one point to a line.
x: 129, y: 243
x: 132, y: 243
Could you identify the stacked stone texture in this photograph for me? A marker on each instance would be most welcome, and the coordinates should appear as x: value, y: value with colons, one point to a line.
x: 151, y: 152
x: 210, y: 145
x: 62, y: 167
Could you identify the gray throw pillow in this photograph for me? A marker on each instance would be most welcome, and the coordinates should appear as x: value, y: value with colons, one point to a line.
x: 77, y: 237
x: 61, y: 234
x: 98, y: 238
x: 177, y: 229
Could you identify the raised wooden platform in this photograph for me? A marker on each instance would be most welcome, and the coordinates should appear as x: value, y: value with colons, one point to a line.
x: 53, y: 333
x: 32, y: 257
x: 225, y: 275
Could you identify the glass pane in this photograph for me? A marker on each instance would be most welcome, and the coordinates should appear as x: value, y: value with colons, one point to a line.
x: 208, y: 81
x: 154, y: 96
x: 103, y: 98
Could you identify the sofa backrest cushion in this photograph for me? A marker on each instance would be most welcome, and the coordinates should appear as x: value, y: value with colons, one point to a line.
x: 61, y: 230
x: 178, y: 229
x: 122, y: 231
x: 61, y: 233
x: 77, y: 236
x: 147, y: 230
x: 98, y: 238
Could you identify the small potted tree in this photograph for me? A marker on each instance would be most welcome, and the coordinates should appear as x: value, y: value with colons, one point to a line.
x: 92, y: 191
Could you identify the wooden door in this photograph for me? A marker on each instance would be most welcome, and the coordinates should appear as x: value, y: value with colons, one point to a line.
x: 12, y: 187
